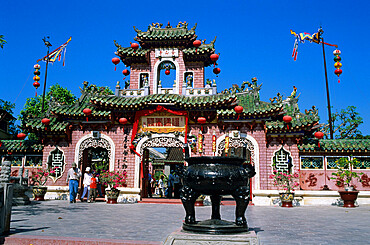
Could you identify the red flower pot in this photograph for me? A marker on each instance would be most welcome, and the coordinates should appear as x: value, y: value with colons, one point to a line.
x: 349, y: 198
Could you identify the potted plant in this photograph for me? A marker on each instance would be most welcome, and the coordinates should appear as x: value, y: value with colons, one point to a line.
x: 113, y: 179
x: 344, y: 176
x: 286, y: 184
x: 38, y: 180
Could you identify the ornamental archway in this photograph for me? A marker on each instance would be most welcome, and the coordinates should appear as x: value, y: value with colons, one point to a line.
x: 88, y: 141
x: 239, y: 141
x: 155, y: 141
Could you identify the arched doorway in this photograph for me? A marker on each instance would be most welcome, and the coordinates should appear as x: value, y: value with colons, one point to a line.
x: 155, y: 141
x: 161, y: 66
x: 242, y: 145
x: 95, y: 151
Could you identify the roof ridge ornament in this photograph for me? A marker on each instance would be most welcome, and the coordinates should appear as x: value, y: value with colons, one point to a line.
x: 194, y: 27
x: 214, y: 40
x: 182, y: 24
x: 137, y: 30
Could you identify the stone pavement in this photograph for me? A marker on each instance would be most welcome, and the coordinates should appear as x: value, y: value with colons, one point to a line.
x: 143, y: 223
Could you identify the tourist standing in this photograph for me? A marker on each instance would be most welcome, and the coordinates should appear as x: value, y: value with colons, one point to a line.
x: 170, y: 183
x: 93, y: 186
x: 149, y: 182
x: 86, y: 182
x: 176, y: 185
x: 161, y: 186
x: 73, y: 175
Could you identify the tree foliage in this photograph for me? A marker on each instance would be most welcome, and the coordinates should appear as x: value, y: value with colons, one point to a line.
x: 8, y: 107
x: 58, y: 94
x: 345, y: 124
x: 2, y: 41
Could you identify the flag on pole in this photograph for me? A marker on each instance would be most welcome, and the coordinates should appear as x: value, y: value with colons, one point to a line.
x: 57, y: 53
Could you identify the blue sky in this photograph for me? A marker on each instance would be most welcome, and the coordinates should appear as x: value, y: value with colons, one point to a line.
x: 253, y: 39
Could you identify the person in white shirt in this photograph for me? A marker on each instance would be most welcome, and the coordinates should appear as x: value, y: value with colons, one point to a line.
x: 161, y: 186
x: 86, y: 182
x: 73, y: 175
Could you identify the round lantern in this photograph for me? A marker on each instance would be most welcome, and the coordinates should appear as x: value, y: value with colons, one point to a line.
x: 167, y: 72
x: 115, y: 61
x: 337, y: 64
x: 46, y: 122
x: 214, y: 58
x: 201, y: 120
x: 36, y: 78
x: 196, y: 44
x: 287, y: 120
x: 319, y: 135
x: 87, y: 112
x: 238, y: 109
x: 134, y: 46
x: 123, y: 120
x: 21, y: 136
x: 36, y: 85
x: 216, y: 71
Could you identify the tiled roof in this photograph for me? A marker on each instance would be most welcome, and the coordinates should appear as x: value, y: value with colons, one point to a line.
x: 251, y: 106
x: 215, y: 101
x: 35, y: 124
x: 202, y: 53
x: 337, y: 145
x: 156, y: 33
x: 76, y: 110
x: 21, y: 146
x: 129, y: 55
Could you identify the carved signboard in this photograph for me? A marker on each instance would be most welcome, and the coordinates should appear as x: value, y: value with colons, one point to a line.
x: 162, y: 122
x: 56, y: 161
x: 166, y: 52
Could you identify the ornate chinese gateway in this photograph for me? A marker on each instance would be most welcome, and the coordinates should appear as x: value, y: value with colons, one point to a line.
x: 168, y: 102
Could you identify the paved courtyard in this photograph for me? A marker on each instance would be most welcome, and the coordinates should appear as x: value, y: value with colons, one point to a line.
x: 151, y: 223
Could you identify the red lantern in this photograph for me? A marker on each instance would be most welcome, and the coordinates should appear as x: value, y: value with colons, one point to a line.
x: 134, y: 46
x: 214, y: 58
x: 46, y: 122
x: 36, y: 85
x: 216, y: 71
x: 123, y: 120
x: 21, y: 136
x: 201, y: 120
x: 115, y: 61
x: 287, y: 119
x: 126, y: 73
x: 87, y: 112
x: 337, y: 72
x: 319, y: 135
x: 196, y: 44
x: 167, y: 72
x: 238, y: 109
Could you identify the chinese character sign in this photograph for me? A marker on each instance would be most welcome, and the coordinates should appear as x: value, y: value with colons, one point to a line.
x: 57, y: 163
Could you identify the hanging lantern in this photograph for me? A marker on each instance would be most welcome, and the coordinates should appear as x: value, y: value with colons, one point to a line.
x: 1, y: 143
x: 196, y: 44
x: 21, y: 136
x: 87, y: 112
x: 36, y: 78
x: 46, y: 122
x: 287, y: 120
x: 167, y: 72
x: 337, y: 63
x: 126, y: 73
x: 115, y: 61
x: 238, y: 109
x: 216, y: 71
x: 214, y: 58
x: 123, y: 121
x: 134, y: 46
x: 319, y: 135
x: 201, y: 120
